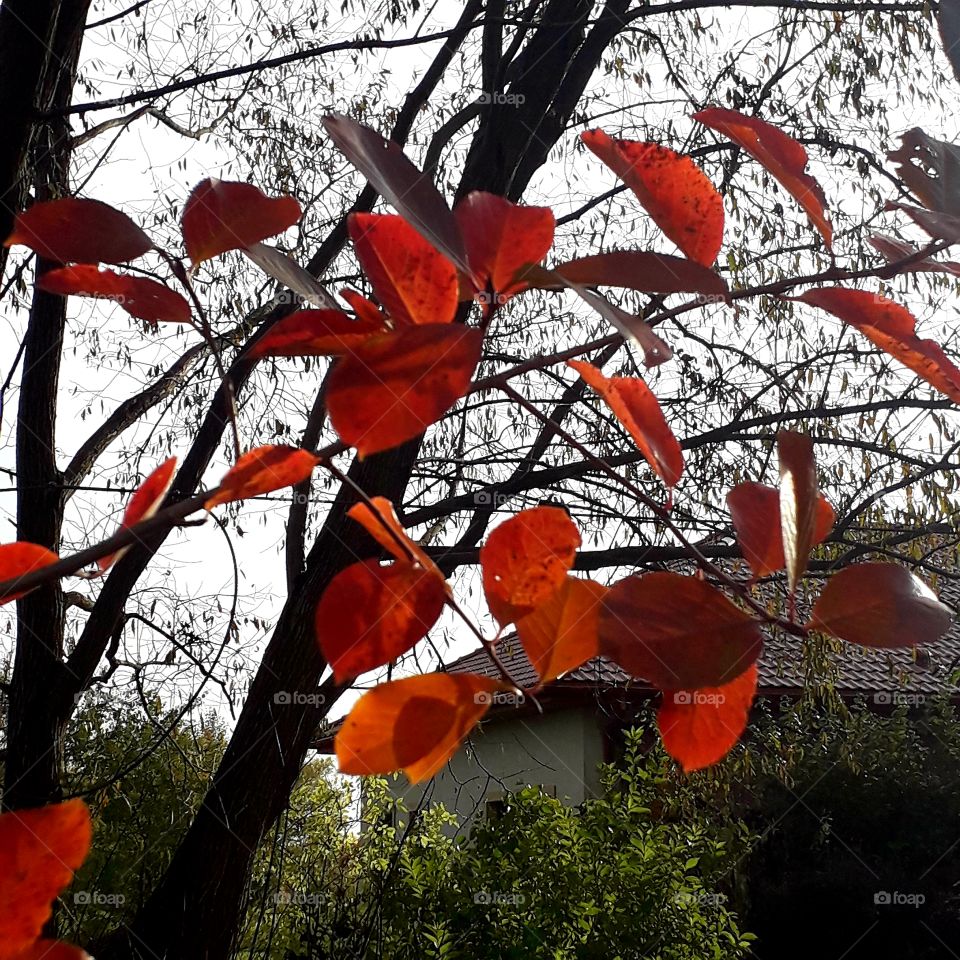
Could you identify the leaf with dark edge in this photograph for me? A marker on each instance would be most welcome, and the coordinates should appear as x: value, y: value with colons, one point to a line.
x: 262, y: 470
x: 525, y: 560
x: 222, y: 215
x: 316, y: 333
x: 779, y: 154
x: 414, y: 725
x: 393, y: 386
x: 414, y: 282
x: 400, y: 183
x: 700, y: 727
x: 893, y: 329
x: 880, y: 605
x: 20, y: 558
x: 561, y: 633
x: 77, y: 230
x: 677, y: 632
x: 141, y: 297
x: 799, y: 498
x: 371, y: 614
x: 672, y: 189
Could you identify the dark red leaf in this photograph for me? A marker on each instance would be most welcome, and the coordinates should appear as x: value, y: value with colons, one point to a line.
x: 315, y: 333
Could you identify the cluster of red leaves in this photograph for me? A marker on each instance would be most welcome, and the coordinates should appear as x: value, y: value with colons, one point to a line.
x: 39, y: 851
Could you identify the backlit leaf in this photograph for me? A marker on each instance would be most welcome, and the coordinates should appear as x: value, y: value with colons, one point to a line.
x: 894, y: 250
x: 17, y: 559
x: 672, y: 189
x: 699, y: 727
x: 414, y: 724
x: 880, y: 605
x: 393, y: 386
x: 525, y: 560
x: 561, y: 633
x: 755, y: 510
x: 364, y: 307
x: 72, y: 229
x: 222, y: 215
x: 39, y: 851
x: 780, y: 154
x: 893, y: 329
x: 799, y: 496
x: 412, y: 280
x: 371, y: 614
x: 315, y: 333
x: 261, y: 470
x: 382, y: 523
x: 141, y: 297
x: 501, y: 237
x: 637, y: 409
x: 677, y: 632
x: 144, y: 503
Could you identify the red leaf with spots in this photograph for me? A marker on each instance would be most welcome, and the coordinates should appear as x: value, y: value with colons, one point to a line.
x: 672, y: 189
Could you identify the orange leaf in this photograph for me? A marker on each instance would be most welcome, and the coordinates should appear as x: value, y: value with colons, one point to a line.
x: 677, y: 632
x: 755, y: 510
x: 799, y: 496
x: 781, y: 155
x: 561, y: 633
x: 526, y: 559
x: 383, y: 525
x: 414, y: 724
x: 144, y: 503
x: 392, y: 387
x: 672, y: 189
x: 637, y: 409
x: 39, y: 851
x: 222, y: 215
x: 414, y: 283
x: 371, y: 614
x: 880, y: 605
x: 699, y: 727
x: 501, y: 237
x: 315, y: 333
x: 17, y: 559
x: 72, y: 229
x: 893, y: 329
x: 261, y: 470
x: 139, y: 296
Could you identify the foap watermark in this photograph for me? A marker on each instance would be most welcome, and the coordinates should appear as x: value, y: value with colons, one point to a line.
x: 896, y: 898
x: 898, y: 698
x: 707, y: 298
x: 498, y: 898
x: 700, y: 899
x: 499, y: 698
x: 487, y: 498
x: 297, y: 698
x: 296, y: 898
x: 502, y: 99
x: 98, y: 898
x: 698, y: 698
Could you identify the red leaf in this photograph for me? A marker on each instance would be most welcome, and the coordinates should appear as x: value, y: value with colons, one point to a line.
x: 672, y: 189
x: 880, y: 605
x: 644, y: 271
x: 392, y: 387
x: 72, y: 229
x: 781, y: 155
x: 894, y: 250
x: 561, y: 633
x: 501, y: 237
x: 893, y: 329
x: 364, y: 308
x: 414, y: 724
x: 755, y: 510
x: 799, y: 497
x: 400, y: 183
x: 677, y: 632
x: 221, y: 216
x: 261, y: 470
x: 699, y: 727
x: 39, y: 851
x: 639, y: 412
x: 382, y: 524
x: 144, y: 503
x: 414, y: 283
x: 525, y: 561
x: 52, y: 950
x: 315, y: 333
x: 17, y: 559
x: 139, y: 296
x: 370, y: 614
